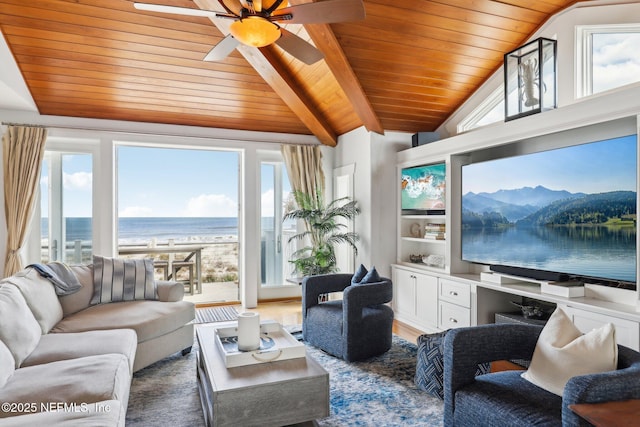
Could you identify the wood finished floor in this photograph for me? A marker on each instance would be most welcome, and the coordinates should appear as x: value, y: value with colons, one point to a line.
x: 290, y: 313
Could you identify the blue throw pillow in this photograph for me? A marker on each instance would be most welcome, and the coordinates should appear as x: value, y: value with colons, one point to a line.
x: 359, y: 275
x: 372, y: 276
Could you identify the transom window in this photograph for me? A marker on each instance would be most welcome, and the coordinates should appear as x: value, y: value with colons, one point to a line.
x: 608, y: 57
x: 491, y: 110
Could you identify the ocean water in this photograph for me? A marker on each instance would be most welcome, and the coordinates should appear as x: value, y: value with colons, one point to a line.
x: 143, y: 230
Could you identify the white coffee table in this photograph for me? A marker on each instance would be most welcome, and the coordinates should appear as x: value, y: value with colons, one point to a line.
x: 266, y: 394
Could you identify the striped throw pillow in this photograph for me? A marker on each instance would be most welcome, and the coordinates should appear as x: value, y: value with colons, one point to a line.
x: 116, y: 279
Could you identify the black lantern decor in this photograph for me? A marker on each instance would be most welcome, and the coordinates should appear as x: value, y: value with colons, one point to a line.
x: 530, y: 84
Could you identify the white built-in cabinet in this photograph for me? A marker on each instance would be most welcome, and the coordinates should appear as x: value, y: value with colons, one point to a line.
x: 454, y: 304
x: 427, y: 302
x: 627, y: 331
x: 439, y: 297
x: 416, y: 298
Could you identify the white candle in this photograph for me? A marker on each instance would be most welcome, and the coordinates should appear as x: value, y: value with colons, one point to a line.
x: 248, y: 331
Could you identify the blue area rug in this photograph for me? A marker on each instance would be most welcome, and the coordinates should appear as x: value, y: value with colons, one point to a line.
x: 376, y: 392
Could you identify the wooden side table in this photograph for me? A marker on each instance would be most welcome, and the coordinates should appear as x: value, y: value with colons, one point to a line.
x: 610, y: 414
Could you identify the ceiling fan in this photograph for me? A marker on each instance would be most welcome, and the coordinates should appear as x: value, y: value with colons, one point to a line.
x: 255, y: 23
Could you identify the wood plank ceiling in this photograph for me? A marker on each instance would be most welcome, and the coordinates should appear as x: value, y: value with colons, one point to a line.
x: 406, y: 67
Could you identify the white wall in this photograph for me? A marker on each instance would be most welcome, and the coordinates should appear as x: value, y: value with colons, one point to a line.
x: 375, y: 187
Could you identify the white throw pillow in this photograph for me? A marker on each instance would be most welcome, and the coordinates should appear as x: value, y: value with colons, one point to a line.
x: 563, y: 352
x: 116, y: 279
x: 40, y: 295
x: 19, y: 330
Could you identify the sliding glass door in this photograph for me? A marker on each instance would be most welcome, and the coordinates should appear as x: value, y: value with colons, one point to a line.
x: 180, y: 207
x: 275, y: 254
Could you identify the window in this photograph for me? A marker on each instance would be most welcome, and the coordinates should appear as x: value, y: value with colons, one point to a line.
x: 183, y: 197
x: 491, y: 110
x: 66, y: 207
x: 607, y: 57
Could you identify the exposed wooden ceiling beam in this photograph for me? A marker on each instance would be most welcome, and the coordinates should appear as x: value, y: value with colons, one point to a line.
x: 273, y: 71
x: 325, y: 40
x: 270, y: 67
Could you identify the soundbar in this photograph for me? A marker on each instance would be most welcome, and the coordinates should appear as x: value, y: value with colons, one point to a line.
x: 550, y: 276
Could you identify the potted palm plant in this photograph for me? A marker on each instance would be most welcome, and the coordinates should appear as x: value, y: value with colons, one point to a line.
x: 322, y: 232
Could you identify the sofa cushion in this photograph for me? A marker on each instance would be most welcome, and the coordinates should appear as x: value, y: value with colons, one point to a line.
x: 104, y: 414
x: 81, y: 299
x: 40, y: 295
x: 19, y: 330
x: 7, y: 364
x: 150, y: 319
x: 54, y: 347
x: 116, y: 279
x: 510, y: 400
x: 562, y: 352
x: 84, y: 380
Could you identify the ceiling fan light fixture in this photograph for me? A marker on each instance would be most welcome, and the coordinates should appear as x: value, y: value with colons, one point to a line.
x: 255, y: 31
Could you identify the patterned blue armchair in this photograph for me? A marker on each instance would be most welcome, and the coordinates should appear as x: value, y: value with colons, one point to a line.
x: 507, y: 399
x: 354, y: 328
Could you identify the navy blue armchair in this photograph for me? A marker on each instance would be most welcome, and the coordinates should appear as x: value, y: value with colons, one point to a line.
x: 355, y: 328
x: 507, y: 399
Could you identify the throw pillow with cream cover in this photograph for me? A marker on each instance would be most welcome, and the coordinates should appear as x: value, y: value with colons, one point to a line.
x: 19, y: 330
x: 562, y: 352
x: 7, y: 364
x: 40, y: 295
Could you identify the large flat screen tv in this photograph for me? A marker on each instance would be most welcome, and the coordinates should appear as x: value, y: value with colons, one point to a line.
x: 570, y: 210
x: 422, y: 189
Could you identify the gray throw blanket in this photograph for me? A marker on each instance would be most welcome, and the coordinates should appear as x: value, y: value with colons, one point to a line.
x: 64, y: 280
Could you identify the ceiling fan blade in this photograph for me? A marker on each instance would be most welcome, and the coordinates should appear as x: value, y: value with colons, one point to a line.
x: 323, y: 12
x: 299, y: 48
x: 231, y: 6
x: 175, y: 10
x: 222, y: 49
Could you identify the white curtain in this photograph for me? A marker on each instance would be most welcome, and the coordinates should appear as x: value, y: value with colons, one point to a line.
x: 22, y: 149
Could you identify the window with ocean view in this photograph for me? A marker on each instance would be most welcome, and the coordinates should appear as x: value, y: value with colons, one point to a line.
x: 182, y: 198
x: 66, y: 224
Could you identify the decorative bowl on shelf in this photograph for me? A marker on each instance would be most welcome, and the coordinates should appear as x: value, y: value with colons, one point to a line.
x: 434, y: 260
x: 416, y: 258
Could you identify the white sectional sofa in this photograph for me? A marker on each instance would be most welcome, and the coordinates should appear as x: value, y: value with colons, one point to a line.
x: 64, y: 361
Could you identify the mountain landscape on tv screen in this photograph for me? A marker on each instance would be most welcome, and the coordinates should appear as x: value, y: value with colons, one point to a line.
x: 537, y: 206
x: 583, y: 235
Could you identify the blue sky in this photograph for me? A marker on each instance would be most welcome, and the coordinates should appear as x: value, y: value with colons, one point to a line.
x: 162, y: 182
x: 588, y: 168
x: 174, y: 182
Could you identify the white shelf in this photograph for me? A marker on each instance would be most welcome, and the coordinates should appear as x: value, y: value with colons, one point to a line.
x: 434, y: 217
x: 421, y: 240
x: 422, y: 266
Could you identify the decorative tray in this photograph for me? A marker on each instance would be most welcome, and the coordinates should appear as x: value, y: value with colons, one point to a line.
x: 275, y: 344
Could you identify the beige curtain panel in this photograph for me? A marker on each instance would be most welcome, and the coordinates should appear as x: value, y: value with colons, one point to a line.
x: 304, y: 166
x: 22, y: 149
